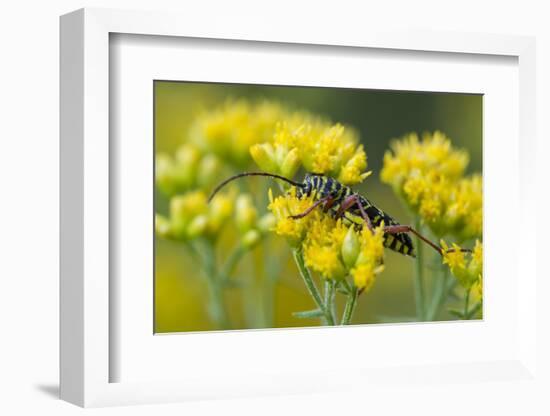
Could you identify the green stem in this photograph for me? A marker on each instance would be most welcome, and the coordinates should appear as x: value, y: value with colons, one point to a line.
x: 419, y: 275
x: 440, y: 293
x: 329, y: 299
x: 231, y: 263
x: 466, y: 304
x: 273, y: 266
x: 310, y: 285
x: 350, y: 306
x: 216, y: 308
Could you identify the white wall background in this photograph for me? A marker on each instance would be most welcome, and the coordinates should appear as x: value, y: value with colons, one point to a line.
x: 29, y: 116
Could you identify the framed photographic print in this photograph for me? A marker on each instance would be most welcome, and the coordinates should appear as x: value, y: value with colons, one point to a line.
x: 238, y: 207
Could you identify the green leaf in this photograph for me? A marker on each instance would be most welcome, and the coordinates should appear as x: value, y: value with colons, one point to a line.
x: 457, y: 313
x: 343, y: 287
x: 474, y: 310
x: 315, y: 313
x: 342, y: 290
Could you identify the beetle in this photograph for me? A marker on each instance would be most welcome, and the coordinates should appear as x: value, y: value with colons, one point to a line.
x: 342, y: 201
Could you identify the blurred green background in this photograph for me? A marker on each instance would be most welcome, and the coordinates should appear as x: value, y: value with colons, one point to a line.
x: 379, y: 116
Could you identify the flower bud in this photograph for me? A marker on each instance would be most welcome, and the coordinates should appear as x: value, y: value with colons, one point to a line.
x: 208, y: 170
x: 183, y: 208
x: 197, y: 226
x: 162, y: 226
x: 245, y: 213
x: 185, y: 169
x: 350, y: 248
x: 264, y: 156
x: 220, y: 210
x: 164, y: 174
x: 250, y: 239
x: 267, y: 223
x: 291, y: 163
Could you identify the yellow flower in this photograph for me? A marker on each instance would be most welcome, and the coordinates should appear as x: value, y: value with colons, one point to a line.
x: 465, y: 266
x: 478, y: 287
x: 162, y: 226
x: 220, y: 210
x: 324, y: 260
x: 189, y: 169
x: 334, y: 249
x: 428, y: 175
x: 331, y: 247
x: 250, y: 239
x: 317, y: 145
x: 283, y: 207
x: 369, y: 262
x: 280, y: 156
x: 454, y: 258
x: 230, y: 131
x: 464, y: 214
x: 322, y: 246
x: 352, y: 171
x: 184, y: 208
x: 333, y: 150
x: 246, y: 213
x: 364, y: 275
x: 191, y: 216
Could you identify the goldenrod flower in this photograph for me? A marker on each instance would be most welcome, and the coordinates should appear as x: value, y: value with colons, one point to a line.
x: 466, y: 267
x: 433, y: 154
x: 220, y: 211
x: 283, y: 207
x: 428, y: 175
x: 189, y: 169
x: 464, y: 211
x: 192, y: 216
x: 246, y: 214
x: 369, y: 262
x: 184, y: 208
x: 251, y: 238
x: 323, y: 244
x: 333, y: 150
x: 364, y: 275
x: 334, y: 250
x: 280, y: 155
x: 331, y: 247
x: 230, y: 131
x: 162, y: 226
x: 280, y: 141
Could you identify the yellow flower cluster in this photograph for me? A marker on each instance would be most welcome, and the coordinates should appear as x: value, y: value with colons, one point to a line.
x: 280, y: 140
x: 429, y: 176
x: 231, y: 130
x: 317, y: 145
x: 369, y: 261
x: 322, y: 247
x: 189, y: 169
x: 282, y: 207
x: 466, y: 267
x: 192, y: 216
x: 331, y: 247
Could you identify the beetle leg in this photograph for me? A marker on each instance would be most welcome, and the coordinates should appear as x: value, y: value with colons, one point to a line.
x: 396, y: 229
x: 324, y: 200
x: 348, y: 203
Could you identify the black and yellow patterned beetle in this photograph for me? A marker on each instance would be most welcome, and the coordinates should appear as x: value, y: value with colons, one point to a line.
x: 343, y: 202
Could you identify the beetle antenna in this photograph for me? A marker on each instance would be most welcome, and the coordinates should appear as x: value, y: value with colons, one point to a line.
x: 241, y: 175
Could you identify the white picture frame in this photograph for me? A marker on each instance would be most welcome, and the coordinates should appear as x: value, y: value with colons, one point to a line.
x: 87, y: 356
